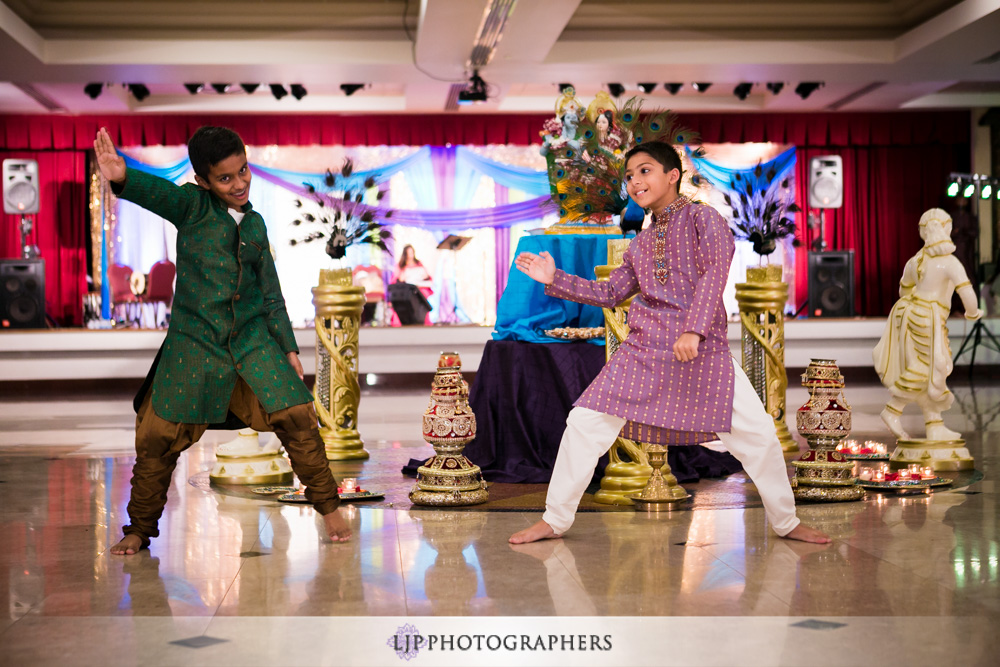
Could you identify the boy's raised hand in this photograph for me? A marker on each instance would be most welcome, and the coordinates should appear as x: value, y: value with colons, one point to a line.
x: 111, y: 164
x: 538, y: 267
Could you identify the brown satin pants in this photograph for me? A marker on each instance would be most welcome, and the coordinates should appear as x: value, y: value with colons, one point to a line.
x: 159, y: 443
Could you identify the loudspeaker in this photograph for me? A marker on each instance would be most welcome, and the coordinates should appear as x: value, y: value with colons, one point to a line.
x: 409, y: 303
x: 826, y: 182
x: 22, y: 293
x: 20, y: 186
x: 831, y: 283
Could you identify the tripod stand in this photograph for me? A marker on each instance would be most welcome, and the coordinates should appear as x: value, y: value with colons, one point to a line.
x: 976, y: 337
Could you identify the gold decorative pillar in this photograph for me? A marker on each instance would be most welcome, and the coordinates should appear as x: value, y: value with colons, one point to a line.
x: 337, y: 393
x: 628, y: 470
x: 762, y: 301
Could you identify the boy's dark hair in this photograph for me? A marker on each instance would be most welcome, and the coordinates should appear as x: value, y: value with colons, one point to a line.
x: 209, y: 146
x: 661, y: 152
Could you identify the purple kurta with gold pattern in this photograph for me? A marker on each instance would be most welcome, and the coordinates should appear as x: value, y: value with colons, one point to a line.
x: 666, y: 401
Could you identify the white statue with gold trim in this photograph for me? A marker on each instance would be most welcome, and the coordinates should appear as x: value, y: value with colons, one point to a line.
x: 913, y: 358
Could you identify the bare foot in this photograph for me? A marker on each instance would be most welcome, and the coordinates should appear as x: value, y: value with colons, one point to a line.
x: 804, y: 533
x: 336, y: 527
x: 130, y: 544
x: 895, y: 424
x: 539, y: 531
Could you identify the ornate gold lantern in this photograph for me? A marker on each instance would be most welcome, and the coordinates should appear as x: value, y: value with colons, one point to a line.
x: 449, y: 478
x: 337, y: 393
x: 824, y: 473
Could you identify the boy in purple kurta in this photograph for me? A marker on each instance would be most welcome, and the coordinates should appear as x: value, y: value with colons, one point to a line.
x: 672, y: 380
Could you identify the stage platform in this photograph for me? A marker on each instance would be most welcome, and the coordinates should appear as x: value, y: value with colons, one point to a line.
x: 81, y: 354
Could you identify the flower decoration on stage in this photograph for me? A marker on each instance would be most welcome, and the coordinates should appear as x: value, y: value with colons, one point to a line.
x: 585, y: 175
x: 761, y: 208
x: 340, y: 213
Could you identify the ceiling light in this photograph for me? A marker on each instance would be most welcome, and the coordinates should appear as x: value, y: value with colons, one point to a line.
x: 475, y: 91
x: 139, y: 91
x: 805, y: 89
x: 701, y: 87
x: 249, y: 88
x: 970, y: 189
x: 93, y: 90
x: 221, y: 88
x: 616, y: 89
x: 647, y: 87
x: 278, y: 90
x: 298, y: 91
x: 194, y: 88
x: 563, y: 87
x: 775, y: 86
x: 953, y: 187
x: 742, y: 91
x: 986, y: 190
x: 673, y: 88
x: 351, y: 88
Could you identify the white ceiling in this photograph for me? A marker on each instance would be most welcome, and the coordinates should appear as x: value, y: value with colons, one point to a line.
x: 879, y: 54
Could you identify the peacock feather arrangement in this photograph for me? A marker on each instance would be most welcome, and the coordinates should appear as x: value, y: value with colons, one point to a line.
x: 340, y: 215
x: 587, y: 180
x: 761, y: 206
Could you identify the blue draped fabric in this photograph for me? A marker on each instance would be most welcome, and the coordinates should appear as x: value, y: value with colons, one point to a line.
x: 419, y: 170
x: 525, y: 312
x: 519, y: 178
x: 721, y: 176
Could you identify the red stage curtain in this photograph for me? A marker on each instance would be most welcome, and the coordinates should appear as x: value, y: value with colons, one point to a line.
x: 895, y: 166
x: 61, y: 230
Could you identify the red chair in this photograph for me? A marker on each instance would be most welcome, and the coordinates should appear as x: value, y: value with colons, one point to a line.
x: 160, y: 288
x: 119, y: 277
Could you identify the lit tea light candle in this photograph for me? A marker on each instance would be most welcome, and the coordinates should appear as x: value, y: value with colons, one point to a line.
x: 879, y: 476
x: 866, y: 474
x: 914, y: 468
x: 855, y: 448
x: 928, y: 473
x: 349, y: 484
x: 904, y: 474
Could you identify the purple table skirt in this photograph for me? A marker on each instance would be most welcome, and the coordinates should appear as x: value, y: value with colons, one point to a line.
x: 521, y: 396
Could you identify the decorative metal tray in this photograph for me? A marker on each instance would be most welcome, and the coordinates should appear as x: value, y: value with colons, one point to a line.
x: 575, y: 333
x: 865, y: 457
x: 905, y: 484
x: 345, y: 496
x: 271, y: 490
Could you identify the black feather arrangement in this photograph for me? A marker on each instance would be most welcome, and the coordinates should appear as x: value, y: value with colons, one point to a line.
x: 761, y: 205
x: 340, y: 214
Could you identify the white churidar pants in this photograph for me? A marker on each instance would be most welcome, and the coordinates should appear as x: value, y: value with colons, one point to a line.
x: 752, y: 440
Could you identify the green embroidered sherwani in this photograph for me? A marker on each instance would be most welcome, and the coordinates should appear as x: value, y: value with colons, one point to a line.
x: 228, y: 316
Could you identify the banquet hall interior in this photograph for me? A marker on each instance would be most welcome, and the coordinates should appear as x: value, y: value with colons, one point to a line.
x: 403, y: 153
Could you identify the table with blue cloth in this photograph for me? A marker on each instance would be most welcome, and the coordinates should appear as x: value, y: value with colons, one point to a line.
x: 527, y: 382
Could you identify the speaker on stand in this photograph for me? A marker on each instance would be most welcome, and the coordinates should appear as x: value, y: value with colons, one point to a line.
x: 20, y: 197
x: 826, y: 190
x: 22, y: 293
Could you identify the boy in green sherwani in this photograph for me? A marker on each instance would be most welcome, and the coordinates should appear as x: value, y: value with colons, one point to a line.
x: 230, y: 346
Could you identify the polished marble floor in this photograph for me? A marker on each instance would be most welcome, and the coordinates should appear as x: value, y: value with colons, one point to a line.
x: 236, y: 580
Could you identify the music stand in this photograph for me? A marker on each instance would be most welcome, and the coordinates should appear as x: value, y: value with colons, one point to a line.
x: 453, y: 243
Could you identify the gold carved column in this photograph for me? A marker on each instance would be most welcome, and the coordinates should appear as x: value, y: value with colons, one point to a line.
x: 762, y: 301
x: 337, y: 392
x: 628, y: 469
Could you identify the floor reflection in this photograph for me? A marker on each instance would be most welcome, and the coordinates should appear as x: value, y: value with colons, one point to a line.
x: 226, y: 556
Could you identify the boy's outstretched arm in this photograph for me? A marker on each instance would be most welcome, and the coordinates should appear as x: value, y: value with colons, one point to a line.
x: 167, y: 200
